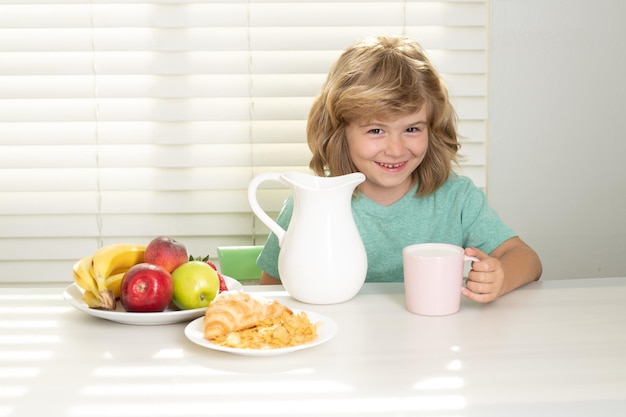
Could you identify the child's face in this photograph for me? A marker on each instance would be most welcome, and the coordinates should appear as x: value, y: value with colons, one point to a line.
x: 387, y: 152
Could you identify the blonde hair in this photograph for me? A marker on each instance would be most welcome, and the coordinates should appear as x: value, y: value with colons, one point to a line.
x: 382, y: 78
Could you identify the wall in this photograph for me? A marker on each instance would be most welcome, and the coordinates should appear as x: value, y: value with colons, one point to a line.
x: 557, y: 133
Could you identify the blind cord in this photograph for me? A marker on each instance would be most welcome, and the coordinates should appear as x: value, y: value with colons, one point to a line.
x: 404, y: 18
x: 94, y: 73
x: 251, y: 112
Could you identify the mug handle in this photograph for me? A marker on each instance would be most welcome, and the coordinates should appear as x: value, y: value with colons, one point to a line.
x: 465, y: 259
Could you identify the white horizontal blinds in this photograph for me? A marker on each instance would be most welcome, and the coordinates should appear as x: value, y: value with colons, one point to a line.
x: 120, y: 121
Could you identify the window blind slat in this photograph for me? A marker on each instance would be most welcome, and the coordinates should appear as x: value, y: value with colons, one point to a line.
x: 226, y: 39
x: 41, y: 179
x: 179, y: 63
x: 155, y: 179
x: 156, y: 133
x: 114, y: 202
x: 234, y: 15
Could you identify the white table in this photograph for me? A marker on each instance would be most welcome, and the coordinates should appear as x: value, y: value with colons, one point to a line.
x: 552, y: 348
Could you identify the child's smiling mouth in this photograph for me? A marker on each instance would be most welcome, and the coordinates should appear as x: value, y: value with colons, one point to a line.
x: 391, y: 166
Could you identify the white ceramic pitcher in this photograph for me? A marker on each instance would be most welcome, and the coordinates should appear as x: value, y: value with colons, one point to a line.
x: 322, y: 257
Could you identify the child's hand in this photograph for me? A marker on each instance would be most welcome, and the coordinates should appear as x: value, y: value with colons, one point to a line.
x: 486, y: 278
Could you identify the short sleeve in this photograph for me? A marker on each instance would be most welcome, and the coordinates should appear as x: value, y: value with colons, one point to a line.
x: 482, y: 227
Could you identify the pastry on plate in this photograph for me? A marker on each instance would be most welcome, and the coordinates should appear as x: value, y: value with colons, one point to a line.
x: 232, y: 311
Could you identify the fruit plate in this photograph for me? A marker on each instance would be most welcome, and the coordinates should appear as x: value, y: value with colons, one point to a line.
x: 73, y: 294
x: 327, y: 329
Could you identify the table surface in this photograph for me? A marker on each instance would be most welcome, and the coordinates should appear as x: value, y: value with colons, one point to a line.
x: 551, y: 348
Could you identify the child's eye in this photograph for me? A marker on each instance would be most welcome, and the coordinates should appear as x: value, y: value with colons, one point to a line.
x: 414, y: 129
x: 375, y: 131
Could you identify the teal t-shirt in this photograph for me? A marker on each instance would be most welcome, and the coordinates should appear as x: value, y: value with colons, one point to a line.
x: 457, y: 213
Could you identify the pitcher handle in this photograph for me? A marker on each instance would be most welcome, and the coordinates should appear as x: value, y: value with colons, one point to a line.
x: 256, y: 208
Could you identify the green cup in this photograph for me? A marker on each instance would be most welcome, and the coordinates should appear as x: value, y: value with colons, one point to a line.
x: 239, y: 262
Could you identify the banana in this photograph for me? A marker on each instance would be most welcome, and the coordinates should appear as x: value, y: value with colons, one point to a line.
x: 85, y: 280
x: 82, y: 275
x: 116, y: 258
x: 91, y: 299
x: 110, y: 260
x: 114, y: 283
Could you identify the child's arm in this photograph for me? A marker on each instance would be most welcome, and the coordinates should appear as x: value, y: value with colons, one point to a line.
x: 267, y: 279
x: 509, y: 266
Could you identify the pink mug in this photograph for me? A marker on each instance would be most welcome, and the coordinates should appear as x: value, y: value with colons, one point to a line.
x: 433, y: 278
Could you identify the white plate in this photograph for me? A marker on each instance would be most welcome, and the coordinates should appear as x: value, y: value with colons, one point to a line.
x: 73, y: 294
x: 326, y: 331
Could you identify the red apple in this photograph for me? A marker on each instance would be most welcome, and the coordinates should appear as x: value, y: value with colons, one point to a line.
x: 146, y: 287
x: 166, y: 252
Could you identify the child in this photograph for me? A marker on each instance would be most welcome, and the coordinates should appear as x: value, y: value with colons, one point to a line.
x: 385, y: 112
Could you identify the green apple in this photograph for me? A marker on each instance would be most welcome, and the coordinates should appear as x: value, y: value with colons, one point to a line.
x: 195, y: 285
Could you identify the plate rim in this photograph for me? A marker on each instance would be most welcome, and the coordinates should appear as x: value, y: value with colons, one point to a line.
x: 136, y: 318
x: 194, y: 334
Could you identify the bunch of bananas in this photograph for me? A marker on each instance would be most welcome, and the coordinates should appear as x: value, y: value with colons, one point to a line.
x: 100, y: 274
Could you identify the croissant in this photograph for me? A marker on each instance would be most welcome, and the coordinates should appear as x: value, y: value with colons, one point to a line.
x: 232, y: 311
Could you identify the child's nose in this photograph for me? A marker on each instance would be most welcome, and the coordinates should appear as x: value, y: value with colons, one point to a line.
x: 394, y: 145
